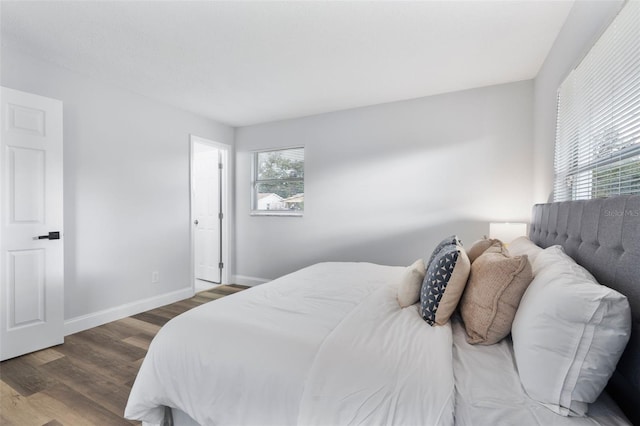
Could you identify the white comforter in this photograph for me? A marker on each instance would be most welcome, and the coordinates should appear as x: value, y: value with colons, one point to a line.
x: 327, y: 345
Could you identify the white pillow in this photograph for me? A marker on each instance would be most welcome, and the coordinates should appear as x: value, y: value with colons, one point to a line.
x: 523, y: 245
x: 411, y: 283
x: 555, y: 255
x: 568, y: 334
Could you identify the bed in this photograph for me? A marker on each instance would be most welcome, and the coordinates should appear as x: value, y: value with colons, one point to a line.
x: 329, y: 345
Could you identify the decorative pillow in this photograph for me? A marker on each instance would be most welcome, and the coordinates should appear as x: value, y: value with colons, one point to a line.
x: 480, y: 247
x: 443, y: 284
x: 523, y: 245
x: 453, y: 239
x: 496, y: 285
x: 410, y: 284
x: 568, y: 334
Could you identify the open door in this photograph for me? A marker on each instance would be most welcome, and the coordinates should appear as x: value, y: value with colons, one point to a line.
x: 208, y: 204
x: 31, y: 237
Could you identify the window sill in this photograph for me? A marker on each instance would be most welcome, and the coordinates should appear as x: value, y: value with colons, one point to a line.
x: 276, y: 213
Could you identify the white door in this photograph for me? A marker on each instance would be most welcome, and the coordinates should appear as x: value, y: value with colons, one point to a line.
x: 31, y: 254
x: 207, y: 208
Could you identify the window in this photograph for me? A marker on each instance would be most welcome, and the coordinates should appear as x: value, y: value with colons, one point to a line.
x: 278, y: 184
x: 598, y: 127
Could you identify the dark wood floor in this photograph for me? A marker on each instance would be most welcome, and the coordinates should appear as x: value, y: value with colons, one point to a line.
x: 87, y: 380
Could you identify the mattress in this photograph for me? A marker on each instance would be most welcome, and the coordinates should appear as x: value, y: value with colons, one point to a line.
x: 325, y: 345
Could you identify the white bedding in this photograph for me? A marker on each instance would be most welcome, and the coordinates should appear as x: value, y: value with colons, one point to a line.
x: 325, y: 345
x: 489, y: 392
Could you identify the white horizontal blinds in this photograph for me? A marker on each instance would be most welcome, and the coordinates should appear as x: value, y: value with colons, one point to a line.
x: 598, y: 126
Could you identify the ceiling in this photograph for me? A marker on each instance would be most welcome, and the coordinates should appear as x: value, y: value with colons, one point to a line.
x: 243, y: 63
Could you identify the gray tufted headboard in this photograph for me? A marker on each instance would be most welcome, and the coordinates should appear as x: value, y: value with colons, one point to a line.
x: 603, y: 235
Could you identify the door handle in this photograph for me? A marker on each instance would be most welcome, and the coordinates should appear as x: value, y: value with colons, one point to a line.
x: 51, y: 236
x: 196, y: 222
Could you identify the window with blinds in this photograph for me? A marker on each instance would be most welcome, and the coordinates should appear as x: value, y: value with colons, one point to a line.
x: 597, y: 150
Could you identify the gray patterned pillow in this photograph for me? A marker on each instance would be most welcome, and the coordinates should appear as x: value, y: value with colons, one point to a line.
x: 453, y: 239
x: 444, y: 284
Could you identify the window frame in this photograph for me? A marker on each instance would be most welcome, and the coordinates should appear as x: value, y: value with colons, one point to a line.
x: 254, y: 184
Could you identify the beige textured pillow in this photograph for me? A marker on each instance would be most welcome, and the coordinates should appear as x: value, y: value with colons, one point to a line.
x: 523, y: 245
x: 410, y: 284
x: 480, y: 247
x: 496, y: 285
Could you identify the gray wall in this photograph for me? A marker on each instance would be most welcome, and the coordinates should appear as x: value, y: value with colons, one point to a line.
x: 385, y: 183
x: 126, y: 183
x: 586, y: 21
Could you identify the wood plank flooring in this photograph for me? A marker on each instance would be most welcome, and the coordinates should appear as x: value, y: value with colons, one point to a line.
x: 87, y: 380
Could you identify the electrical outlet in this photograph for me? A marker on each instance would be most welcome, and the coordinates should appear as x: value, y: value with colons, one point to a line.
x: 155, y: 277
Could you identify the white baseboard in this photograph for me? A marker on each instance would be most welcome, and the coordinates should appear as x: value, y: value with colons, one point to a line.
x: 250, y: 281
x: 95, y: 319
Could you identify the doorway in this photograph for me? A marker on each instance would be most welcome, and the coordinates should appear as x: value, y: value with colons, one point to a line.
x: 209, y: 218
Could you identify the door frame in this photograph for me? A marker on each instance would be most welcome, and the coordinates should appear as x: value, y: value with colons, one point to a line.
x: 226, y: 219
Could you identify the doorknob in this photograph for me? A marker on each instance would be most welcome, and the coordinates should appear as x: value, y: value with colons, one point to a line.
x: 196, y: 221
x: 51, y: 236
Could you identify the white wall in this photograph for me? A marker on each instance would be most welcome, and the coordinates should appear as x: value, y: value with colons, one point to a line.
x: 126, y: 183
x: 386, y: 183
x: 376, y: 178
x: 586, y: 21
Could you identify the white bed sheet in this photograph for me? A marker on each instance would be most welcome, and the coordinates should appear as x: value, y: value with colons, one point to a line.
x: 325, y: 345
x: 489, y: 392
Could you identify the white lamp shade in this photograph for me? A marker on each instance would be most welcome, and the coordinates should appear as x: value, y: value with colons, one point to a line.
x: 507, y: 231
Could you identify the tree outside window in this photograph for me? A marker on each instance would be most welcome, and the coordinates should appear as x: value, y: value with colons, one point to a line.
x: 278, y: 184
